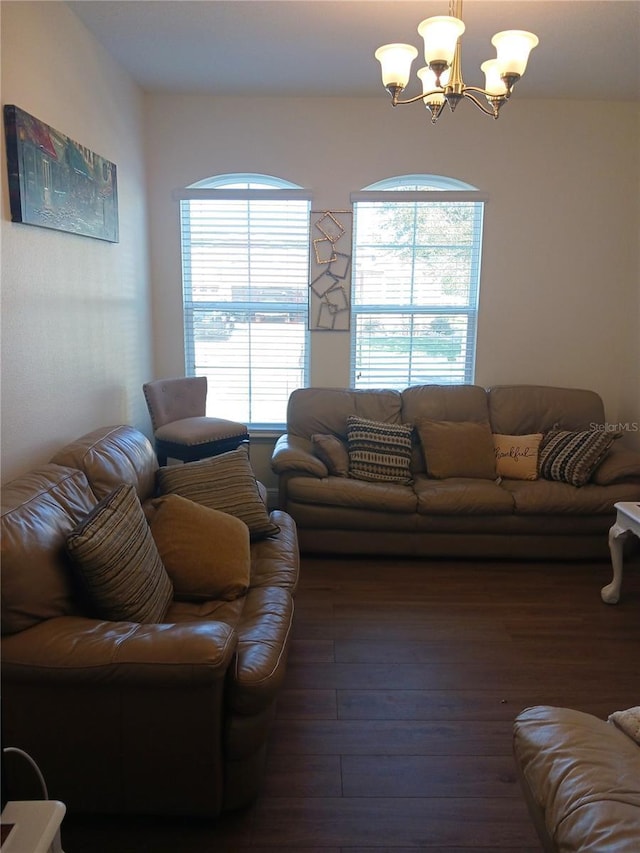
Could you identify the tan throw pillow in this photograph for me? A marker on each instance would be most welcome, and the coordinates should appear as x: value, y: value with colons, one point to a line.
x: 457, y: 449
x: 379, y: 452
x: 517, y: 455
x: 332, y: 452
x: 206, y: 552
x: 226, y: 483
x: 117, y: 561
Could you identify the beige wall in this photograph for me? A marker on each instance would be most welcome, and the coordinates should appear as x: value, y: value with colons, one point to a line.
x: 560, y: 292
x: 76, y: 330
x: 560, y: 288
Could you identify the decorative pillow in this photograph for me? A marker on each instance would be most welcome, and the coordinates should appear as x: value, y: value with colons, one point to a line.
x: 379, y: 452
x: 117, y: 560
x: 225, y: 482
x: 457, y: 449
x: 332, y: 452
x: 206, y: 552
x: 572, y: 457
x: 517, y: 455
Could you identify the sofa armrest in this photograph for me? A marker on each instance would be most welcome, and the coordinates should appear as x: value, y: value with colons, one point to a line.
x: 294, y: 453
x: 75, y: 650
x: 121, y: 718
x: 620, y: 465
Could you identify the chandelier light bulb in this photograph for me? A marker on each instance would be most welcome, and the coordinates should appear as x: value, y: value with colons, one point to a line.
x: 513, y: 48
x: 430, y: 89
x: 440, y: 36
x: 494, y: 85
x: 395, y: 61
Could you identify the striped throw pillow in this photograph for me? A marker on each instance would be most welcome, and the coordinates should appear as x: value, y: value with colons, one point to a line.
x: 379, y: 452
x: 225, y: 482
x: 117, y: 561
x: 572, y: 457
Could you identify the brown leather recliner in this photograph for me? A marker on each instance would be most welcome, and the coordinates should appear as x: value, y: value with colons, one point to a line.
x: 167, y: 718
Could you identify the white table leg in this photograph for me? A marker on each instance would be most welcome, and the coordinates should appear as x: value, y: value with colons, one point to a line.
x: 611, y: 592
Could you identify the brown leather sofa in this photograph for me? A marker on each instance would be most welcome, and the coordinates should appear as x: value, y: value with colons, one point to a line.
x: 457, y: 516
x: 581, y: 780
x: 167, y: 718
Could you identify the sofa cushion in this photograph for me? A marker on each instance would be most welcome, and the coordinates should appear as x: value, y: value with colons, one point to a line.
x: 345, y: 492
x: 325, y: 410
x: 225, y: 482
x: 517, y: 455
x: 205, y: 551
x: 457, y: 449
x: 547, y: 497
x: 118, y: 563
x: 379, y: 452
x: 458, y: 496
x: 332, y: 452
x: 572, y: 457
x: 39, y: 510
x: 522, y: 409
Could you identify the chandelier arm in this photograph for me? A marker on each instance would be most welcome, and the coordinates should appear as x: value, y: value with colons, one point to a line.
x: 397, y: 102
x: 489, y: 112
x: 488, y: 94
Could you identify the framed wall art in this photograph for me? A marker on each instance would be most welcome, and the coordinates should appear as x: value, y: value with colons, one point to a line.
x: 57, y: 183
x: 330, y: 270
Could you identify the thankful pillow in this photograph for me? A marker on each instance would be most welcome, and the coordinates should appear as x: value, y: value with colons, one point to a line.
x: 517, y: 455
x: 457, y: 449
x: 332, y: 452
x: 225, y: 482
x: 117, y: 561
x: 206, y: 552
x: 572, y: 457
x: 379, y: 452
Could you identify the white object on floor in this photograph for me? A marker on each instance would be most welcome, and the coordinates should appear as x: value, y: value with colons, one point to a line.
x: 36, y: 826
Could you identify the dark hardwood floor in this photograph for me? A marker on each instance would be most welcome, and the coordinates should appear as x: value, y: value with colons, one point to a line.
x: 393, y: 734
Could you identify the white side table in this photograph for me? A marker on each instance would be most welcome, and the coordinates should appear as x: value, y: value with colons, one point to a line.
x: 36, y: 826
x: 627, y: 521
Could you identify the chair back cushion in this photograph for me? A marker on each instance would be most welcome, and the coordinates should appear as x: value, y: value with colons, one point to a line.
x: 171, y: 400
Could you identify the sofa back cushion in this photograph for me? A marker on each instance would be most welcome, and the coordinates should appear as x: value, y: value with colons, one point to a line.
x: 39, y: 510
x: 325, y: 410
x: 110, y: 456
x: 460, y: 403
x: 522, y: 409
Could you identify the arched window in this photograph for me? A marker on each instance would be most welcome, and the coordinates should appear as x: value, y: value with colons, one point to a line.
x: 417, y: 246
x: 245, y: 244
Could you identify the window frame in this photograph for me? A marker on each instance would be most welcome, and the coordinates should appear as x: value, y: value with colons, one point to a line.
x: 239, y: 187
x: 439, y: 189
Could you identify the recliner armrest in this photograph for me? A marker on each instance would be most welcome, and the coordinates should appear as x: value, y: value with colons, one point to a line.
x: 75, y: 650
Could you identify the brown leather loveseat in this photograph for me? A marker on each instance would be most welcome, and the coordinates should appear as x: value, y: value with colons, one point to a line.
x: 449, y: 505
x: 167, y: 718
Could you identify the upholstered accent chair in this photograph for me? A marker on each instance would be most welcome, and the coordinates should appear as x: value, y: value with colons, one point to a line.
x: 181, y: 427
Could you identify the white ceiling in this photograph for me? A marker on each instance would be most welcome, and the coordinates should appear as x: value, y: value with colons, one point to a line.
x: 589, y: 49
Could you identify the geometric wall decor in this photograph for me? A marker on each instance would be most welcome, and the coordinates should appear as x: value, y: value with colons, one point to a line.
x: 330, y: 270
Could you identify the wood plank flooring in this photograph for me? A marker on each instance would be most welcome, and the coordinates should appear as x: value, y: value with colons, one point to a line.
x: 393, y: 732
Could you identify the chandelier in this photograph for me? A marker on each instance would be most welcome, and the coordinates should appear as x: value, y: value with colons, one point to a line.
x: 442, y: 76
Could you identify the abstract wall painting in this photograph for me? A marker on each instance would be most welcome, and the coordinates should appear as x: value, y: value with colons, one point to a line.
x: 56, y: 183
